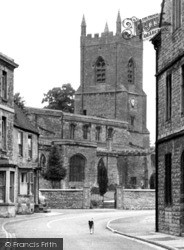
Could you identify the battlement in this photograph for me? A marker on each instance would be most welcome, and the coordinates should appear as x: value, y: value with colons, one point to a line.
x: 103, y: 34
x: 90, y: 39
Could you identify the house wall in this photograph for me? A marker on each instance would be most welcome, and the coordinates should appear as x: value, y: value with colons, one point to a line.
x: 25, y: 202
x: 170, y: 138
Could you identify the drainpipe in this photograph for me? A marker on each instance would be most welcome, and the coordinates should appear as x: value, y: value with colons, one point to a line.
x: 156, y: 146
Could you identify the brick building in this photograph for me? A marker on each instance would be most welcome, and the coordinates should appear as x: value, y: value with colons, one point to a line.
x: 169, y: 45
x: 109, y: 122
x: 18, y: 149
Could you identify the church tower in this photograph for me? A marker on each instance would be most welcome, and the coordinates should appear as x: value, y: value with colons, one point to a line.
x: 111, y: 77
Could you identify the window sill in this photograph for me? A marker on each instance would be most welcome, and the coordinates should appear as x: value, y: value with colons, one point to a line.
x: 168, y: 121
x: 7, y: 204
x: 26, y: 195
x: 4, y: 151
x: 4, y: 99
x: 168, y: 208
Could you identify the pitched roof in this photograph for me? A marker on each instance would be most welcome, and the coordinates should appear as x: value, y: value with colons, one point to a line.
x: 22, y: 121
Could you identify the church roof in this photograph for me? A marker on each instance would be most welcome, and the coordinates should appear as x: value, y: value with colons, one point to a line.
x: 22, y: 121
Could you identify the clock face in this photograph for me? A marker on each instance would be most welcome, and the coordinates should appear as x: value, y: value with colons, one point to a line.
x: 132, y: 101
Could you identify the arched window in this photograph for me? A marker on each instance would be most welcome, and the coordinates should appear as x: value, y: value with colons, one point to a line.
x: 85, y: 131
x: 110, y: 133
x: 72, y: 131
x: 43, y: 163
x: 131, y: 71
x: 77, y: 167
x: 100, y: 70
x: 98, y: 132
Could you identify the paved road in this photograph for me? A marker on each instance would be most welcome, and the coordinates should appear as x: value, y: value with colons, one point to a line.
x: 73, y: 228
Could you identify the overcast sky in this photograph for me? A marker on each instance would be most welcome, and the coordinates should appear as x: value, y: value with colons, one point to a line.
x: 43, y: 37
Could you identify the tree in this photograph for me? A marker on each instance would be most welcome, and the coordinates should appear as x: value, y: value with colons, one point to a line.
x: 55, y: 171
x: 19, y: 101
x: 102, y: 178
x: 60, y: 98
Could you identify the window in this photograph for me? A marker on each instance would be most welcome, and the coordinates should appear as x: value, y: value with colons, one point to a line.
x: 182, y: 90
x: 100, y: 70
x: 72, y: 131
x: 133, y: 182
x: 110, y: 133
x: 43, y: 163
x: 153, y: 181
x: 85, y: 131
x: 77, y: 167
x: 176, y: 14
x: 4, y: 133
x: 168, y: 96
x: 30, y: 152
x: 30, y: 184
x: 132, y: 120
x: 168, y: 178
x: 12, y: 174
x: 4, y: 84
x: 26, y: 183
x: 20, y: 143
x: 131, y: 71
x: 98, y: 132
x: 2, y: 186
x: 84, y: 112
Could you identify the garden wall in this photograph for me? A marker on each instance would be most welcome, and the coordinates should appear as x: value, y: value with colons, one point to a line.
x: 132, y: 199
x: 67, y: 198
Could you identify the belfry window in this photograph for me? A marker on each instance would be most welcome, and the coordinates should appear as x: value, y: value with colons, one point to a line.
x: 177, y: 10
x: 131, y: 71
x: 100, y: 70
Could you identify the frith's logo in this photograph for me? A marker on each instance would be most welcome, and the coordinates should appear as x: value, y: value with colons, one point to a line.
x: 145, y: 28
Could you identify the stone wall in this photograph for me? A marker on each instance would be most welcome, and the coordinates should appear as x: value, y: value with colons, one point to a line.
x: 136, y: 199
x: 170, y: 60
x: 134, y: 171
x: 67, y: 198
x: 170, y: 214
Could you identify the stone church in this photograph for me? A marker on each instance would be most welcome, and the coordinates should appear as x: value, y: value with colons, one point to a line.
x: 109, y: 121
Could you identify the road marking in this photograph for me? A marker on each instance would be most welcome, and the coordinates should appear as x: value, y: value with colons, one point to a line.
x: 9, y: 235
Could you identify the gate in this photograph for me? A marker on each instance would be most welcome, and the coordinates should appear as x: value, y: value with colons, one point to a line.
x: 109, y: 200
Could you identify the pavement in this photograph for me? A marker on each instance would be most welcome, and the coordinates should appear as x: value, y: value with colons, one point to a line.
x: 143, y: 228
x: 140, y: 227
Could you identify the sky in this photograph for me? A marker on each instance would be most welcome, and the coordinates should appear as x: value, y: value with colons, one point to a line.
x: 43, y: 37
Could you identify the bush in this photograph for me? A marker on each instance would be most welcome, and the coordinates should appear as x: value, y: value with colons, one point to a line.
x: 94, y: 190
x: 95, y: 203
x: 112, y: 187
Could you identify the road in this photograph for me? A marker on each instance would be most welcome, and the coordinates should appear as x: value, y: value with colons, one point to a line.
x: 72, y: 226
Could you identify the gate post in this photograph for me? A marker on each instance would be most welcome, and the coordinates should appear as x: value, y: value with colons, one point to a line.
x: 119, y: 197
x: 86, y: 198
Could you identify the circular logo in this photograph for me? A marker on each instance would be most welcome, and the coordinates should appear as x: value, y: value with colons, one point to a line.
x: 7, y: 244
